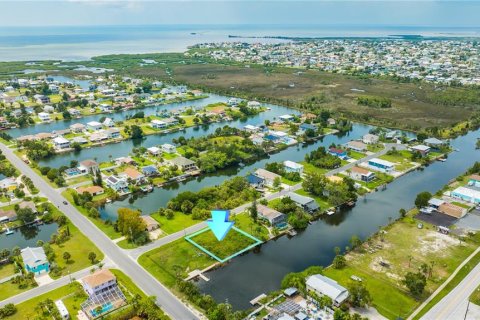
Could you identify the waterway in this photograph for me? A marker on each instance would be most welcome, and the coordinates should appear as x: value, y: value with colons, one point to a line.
x: 27, y: 236
x: 248, y: 276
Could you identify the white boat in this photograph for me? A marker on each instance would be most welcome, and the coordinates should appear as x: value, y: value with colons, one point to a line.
x: 330, y: 212
x: 8, y: 232
x: 108, y: 200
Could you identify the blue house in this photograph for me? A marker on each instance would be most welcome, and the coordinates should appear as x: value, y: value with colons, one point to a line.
x: 338, y: 152
x: 382, y: 165
x: 255, y: 181
x: 149, y: 171
x: 306, y: 126
x: 35, y: 260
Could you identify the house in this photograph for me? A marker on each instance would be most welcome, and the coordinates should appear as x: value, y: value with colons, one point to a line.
x: 382, y: 165
x: 307, y: 126
x: 361, y: 174
x: 133, y: 174
x: 158, y: 124
x: 434, y: 142
x: 61, y: 143
x: 338, y: 152
x: 105, y: 107
x: 154, y: 151
x: 324, y: 286
x: 150, y: 171
x: 124, y: 160
x: 7, y: 215
x: 356, y: 146
x: 452, y: 210
x: 48, y: 109
x: 331, y: 122
x: 474, y: 180
x: 93, y: 190
x: 9, y: 183
x: 267, y: 176
x: 74, y: 112
x: 391, y: 134
x: 99, y: 282
x: 98, y: 136
x: 77, y: 127
x: 183, y: 163
x: 35, y: 260
x: 116, y: 183
x: 94, y: 125
x: 108, y: 122
x: 88, y: 166
x: 370, y: 138
x: 168, y: 148
x: 274, y: 217
x: 306, y: 203
x: 255, y: 181
x: 423, y: 150
x: 113, y: 133
x: 435, y: 203
x: 286, y: 117
x: 150, y: 223
x: 291, y: 166
x: 170, y: 121
x: 466, y: 194
x: 251, y: 128
x: 44, y: 117
x: 3, y: 122
x: 41, y: 99
x: 253, y: 104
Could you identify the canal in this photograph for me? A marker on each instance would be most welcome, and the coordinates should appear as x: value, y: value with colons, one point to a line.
x: 247, y: 276
x: 27, y: 236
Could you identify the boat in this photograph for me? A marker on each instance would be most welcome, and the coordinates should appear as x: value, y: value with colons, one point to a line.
x: 292, y: 232
x: 442, y: 159
x: 330, y: 212
x: 108, y: 200
x: 8, y: 232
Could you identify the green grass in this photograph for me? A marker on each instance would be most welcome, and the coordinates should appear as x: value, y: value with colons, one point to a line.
x: 7, y: 270
x: 356, y: 155
x: 475, y: 297
x: 310, y: 168
x: 9, y: 289
x: 179, y: 222
x: 77, y: 180
x: 462, y: 205
x: 245, y: 222
x: 324, y: 205
x: 125, y: 244
x: 289, y: 182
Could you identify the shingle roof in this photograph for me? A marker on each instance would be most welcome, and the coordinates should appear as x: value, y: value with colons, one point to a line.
x: 33, y: 256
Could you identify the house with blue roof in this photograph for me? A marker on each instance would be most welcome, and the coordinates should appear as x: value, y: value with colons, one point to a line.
x: 306, y: 126
x: 255, y: 181
x: 149, y: 171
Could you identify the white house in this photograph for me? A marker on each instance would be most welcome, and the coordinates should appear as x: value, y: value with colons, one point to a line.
x: 267, y: 176
x: 77, y: 127
x: 168, y: 148
x: 117, y: 184
x: 94, y: 125
x: 61, y: 143
x: 158, y: 124
x: 113, y: 133
x: 253, y: 104
x: 154, y: 150
x: 370, y: 138
x: 109, y: 123
x: 48, y: 109
x: 324, y: 286
x: 98, y: 282
x: 44, y: 117
x: 291, y: 166
x: 382, y: 165
x: 286, y: 117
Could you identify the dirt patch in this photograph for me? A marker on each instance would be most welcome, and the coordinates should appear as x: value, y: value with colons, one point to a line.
x: 434, y: 242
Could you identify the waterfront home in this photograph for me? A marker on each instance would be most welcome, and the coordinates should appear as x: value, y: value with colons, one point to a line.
x: 170, y: 121
x: 48, y: 109
x: 155, y: 151
x: 4, y: 122
x: 94, y: 125
x: 183, y: 163
x: 370, y: 138
x: 98, y: 282
x: 98, y: 136
x: 158, y: 124
x: 251, y: 128
x: 381, y: 165
x: 356, y: 146
x: 150, y: 171
x: 324, y: 286
x: 88, y: 166
x: 307, y: 126
x: 117, y: 184
x: 41, y: 99
x: 342, y: 154
x: 168, y: 148
x: 105, y: 107
x: 474, y: 180
x: 291, y: 166
x: 286, y: 117
x: 77, y: 127
x: 331, y: 122
x: 423, y: 150
x: 132, y: 174
x: 113, y: 133
x: 467, y: 194
x: 80, y: 140
x: 361, y: 174
x: 277, y: 136
x: 150, y: 223
x: 7, y: 215
x: 253, y: 104
x: 452, y: 210
x: 434, y: 142
x: 108, y: 122
x: 255, y: 181
x: 93, y: 190
x: 391, y: 134
x: 44, y: 117
x: 44, y: 136
x: 35, y: 260
x: 61, y: 143
x: 435, y: 203
x: 274, y: 217
x: 267, y: 176
x: 124, y: 160
x: 306, y: 203
x: 74, y: 112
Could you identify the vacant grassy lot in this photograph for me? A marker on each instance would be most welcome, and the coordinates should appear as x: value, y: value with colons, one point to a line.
x: 179, y: 222
x: 7, y: 270
x: 402, y: 248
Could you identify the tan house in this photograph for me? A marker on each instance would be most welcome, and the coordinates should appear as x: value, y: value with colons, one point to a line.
x: 98, y: 282
x: 93, y: 190
x: 452, y: 210
x: 150, y: 223
x: 267, y: 176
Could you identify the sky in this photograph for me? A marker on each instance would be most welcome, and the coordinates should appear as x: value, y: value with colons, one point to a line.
x: 426, y: 13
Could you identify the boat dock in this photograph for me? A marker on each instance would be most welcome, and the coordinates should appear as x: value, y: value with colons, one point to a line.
x: 257, y: 299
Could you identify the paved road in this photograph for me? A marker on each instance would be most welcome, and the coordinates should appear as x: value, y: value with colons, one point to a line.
x: 454, y: 305
x: 135, y: 253
x: 169, y: 303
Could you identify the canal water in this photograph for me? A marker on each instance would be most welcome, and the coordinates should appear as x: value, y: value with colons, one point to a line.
x: 27, y: 236
x: 247, y: 276
x: 150, y: 202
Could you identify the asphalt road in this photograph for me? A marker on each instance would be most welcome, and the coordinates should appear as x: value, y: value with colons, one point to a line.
x: 168, y: 302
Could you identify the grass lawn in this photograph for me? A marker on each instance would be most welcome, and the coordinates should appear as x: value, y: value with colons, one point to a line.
x: 475, y: 297
x: 356, y: 155
x: 462, y: 205
x: 80, y: 179
x: 169, y: 156
x: 7, y: 270
x: 179, y: 222
x: 107, y: 229
x: 124, y: 244
x: 245, y: 222
x: 402, y: 159
x: 8, y: 289
x: 309, y: 168
x: 405, y: 248
x: 375, y: 147
x: 324, y: 205
x: 289, y: 182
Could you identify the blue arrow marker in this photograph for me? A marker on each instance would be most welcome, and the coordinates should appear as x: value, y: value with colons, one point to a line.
x: 219, y: 223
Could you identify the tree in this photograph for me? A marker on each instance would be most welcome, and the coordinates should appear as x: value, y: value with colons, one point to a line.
x: 136, y: 132
x: 339, y: 262
x: 26, y: 215
x: 359, y: 295
x: 130, y: 225
x: 422, y: 199
x: 355, y: 241
x: 254, y: 211
x: 415, y: 282
x: 66, y: 256
x: 92, y: 256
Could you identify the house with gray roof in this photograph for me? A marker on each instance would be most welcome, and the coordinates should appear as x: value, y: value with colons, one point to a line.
x: 306, y: 203
x: 183, y: 163
x: 324, y: 286
x: 35, y: 260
